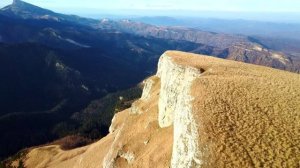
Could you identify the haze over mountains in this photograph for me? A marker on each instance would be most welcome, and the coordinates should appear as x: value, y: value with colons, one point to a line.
x: 53, y: 65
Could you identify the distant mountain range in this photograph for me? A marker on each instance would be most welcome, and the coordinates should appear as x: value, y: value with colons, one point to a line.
x: 236, y: 47
x: 68, y: 31
x: 275, y: 35
x: 232, y: 26
x: 53, y: 65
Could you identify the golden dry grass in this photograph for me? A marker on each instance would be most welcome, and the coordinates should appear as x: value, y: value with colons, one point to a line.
x: 248, y: 116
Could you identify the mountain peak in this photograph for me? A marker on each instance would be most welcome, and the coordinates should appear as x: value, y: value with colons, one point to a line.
x: 16, y: 1
x: 24, y: 10
x: 20, y: 3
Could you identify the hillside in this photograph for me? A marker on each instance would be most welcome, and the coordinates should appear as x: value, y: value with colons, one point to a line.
x: 63, y: 74
x: 197, y: 111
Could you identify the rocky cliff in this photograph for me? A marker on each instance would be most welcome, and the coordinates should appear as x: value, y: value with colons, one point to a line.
x: 198, y: 111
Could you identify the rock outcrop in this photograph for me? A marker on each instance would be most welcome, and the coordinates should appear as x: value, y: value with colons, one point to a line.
x: 175, y: 107
x: 198, y: 111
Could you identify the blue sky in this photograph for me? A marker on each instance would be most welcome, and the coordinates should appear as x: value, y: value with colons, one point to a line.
x: 171, y: 7
x: 204, y: 5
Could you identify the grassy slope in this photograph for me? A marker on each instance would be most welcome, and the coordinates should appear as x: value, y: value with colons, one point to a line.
x: 249, y: 114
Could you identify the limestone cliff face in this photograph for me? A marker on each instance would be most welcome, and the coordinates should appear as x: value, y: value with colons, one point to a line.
x: 175, y: 107
x: 198, y: 111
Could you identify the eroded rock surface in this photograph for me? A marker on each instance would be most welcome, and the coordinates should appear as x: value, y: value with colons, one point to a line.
x: 175, y: 107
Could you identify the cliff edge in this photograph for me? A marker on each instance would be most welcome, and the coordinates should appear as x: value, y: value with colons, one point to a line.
x: 198, y: 111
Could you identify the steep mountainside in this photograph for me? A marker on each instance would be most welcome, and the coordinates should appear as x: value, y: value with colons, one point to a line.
x: 197, y: 111
x: 49, y: 85
x: 36, y: 78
